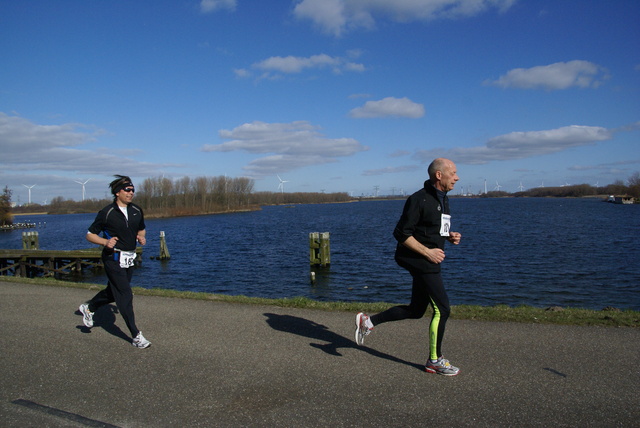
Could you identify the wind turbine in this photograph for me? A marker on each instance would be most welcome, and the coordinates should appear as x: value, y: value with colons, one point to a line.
x: 80, y: 182
x: 281, y: 185
x: 29, y: 187
x: 521, y: 187
x: 498, y: 186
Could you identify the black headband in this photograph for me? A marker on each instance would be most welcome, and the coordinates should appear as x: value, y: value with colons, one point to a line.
x: 119, y: 187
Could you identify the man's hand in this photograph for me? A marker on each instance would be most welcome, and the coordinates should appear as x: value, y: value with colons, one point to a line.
x: 434, y: 255
x: 454, y: 238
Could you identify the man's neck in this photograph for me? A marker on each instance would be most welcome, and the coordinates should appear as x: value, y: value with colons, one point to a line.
x: 437, y: 186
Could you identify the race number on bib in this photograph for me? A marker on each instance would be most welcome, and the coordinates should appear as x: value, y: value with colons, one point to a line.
x: 445, y: 225
x: 127, y: 258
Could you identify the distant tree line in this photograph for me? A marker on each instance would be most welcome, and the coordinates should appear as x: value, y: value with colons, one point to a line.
x: 579, y: 190
x: 163, y: 197
x: 60, y: 205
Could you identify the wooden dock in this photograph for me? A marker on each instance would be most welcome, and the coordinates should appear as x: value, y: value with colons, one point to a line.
x: 29, y: 263
x: 15, y: 226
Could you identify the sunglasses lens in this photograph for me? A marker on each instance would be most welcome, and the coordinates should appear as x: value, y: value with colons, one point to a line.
x: 129, y: 189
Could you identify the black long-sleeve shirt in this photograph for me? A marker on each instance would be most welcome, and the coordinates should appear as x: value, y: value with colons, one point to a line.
x: 421, y: 218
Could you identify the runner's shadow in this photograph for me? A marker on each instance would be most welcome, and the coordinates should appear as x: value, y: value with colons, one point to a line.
x: 334, y: 341
x: 105, y: 317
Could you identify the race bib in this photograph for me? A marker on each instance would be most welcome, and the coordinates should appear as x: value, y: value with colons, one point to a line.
x: 445, y: 225
x: 127, y: 258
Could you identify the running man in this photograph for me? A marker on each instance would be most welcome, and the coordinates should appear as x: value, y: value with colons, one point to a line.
x: 421, y: 233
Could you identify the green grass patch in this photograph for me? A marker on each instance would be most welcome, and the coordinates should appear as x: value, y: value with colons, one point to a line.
x: 608, y: 317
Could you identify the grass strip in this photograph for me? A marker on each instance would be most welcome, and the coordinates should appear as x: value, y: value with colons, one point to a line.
x: 608, y: 317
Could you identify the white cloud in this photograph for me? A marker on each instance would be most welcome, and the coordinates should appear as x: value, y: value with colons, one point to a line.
x: 550, y: 141
x: 209, y: 6
x: 390, y: 106
x: 335, y: 17
x: 242, y: 72
x: 522, y: 145
x: 289, y: 145
x: 278, y: 164
x: 613, y: 167
x: 561, y: 75
x: 293, y: 64
x: 20, y: 136
x: 274, y: 66
x: 329, y: 15
x: 353, y: 66
x: 27, y: 146
x: 391, y: 170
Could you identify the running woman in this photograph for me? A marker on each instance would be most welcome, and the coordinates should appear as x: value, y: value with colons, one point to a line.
x: 121, y: 225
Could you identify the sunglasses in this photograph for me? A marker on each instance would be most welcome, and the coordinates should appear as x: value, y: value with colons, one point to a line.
x: 129, y: 189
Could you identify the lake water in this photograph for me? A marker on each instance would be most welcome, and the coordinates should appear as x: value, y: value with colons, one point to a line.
x: 535, y: 251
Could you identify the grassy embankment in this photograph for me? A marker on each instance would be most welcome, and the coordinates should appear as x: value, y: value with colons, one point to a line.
x: 501, y: 313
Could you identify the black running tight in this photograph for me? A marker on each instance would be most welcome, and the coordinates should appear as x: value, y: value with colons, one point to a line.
x: 119, y: 291
x: 427, y: 289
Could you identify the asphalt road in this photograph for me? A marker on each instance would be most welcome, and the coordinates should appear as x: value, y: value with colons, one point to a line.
x: 216, y: 364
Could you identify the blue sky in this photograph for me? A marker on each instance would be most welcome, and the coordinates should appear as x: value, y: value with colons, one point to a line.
x: 330, y: 95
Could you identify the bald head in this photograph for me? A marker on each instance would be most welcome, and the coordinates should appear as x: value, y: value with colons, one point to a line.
x: 443, y: 174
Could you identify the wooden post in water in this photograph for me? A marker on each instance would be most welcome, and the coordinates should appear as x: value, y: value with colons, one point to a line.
x: 164, y: 251
x: 319, y: 249
x: 30, y: 241
x: 325, y: 249
x: 314, y: 248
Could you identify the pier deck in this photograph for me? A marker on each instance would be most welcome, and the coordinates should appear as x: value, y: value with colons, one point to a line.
x: 30, y: 263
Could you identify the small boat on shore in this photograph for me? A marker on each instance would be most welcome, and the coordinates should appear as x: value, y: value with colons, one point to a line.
x: 626, y: 200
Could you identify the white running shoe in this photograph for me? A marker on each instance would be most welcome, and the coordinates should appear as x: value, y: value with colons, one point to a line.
x: 363, y: 327
x: 442, y: 367
x: 87, y: 315
x: 140, y: 342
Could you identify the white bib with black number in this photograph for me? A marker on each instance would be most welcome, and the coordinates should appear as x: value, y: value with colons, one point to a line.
x: 127, y: 258
x: 445, y: 225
